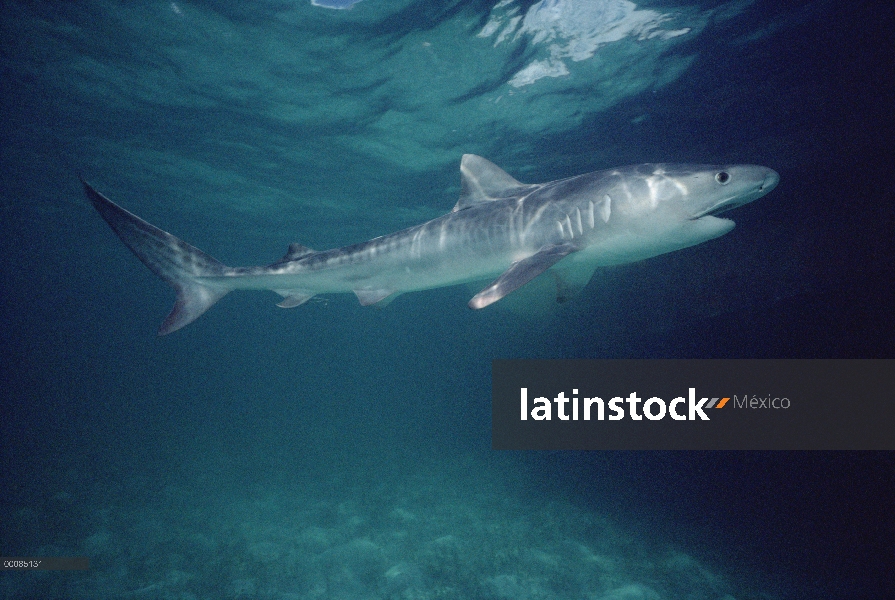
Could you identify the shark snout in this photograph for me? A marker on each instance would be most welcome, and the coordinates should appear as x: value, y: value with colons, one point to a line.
x: 771, y: 179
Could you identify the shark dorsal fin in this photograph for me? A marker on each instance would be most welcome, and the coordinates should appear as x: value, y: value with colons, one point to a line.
x: 295, y: 252
x: 483, y: 181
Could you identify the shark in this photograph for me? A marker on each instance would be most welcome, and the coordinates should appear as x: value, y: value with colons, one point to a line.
x: 501, y: 231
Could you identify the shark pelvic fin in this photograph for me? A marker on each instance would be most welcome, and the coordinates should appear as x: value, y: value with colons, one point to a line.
x: 571, y: 280
x: 368, y: 297
x: 521, y: 272
x: 483, y: 181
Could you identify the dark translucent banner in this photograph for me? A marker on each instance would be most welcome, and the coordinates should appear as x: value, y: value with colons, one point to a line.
x: 693, y: 405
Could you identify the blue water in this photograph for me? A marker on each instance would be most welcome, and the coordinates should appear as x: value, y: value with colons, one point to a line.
x: 336, y: 451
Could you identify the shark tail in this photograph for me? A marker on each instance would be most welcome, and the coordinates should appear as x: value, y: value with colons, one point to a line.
x: 182, y: 266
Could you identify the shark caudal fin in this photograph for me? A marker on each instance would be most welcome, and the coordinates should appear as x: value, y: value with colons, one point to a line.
x: 182, y: 266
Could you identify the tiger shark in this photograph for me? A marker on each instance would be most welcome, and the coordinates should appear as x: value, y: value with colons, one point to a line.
x: 500, y: 230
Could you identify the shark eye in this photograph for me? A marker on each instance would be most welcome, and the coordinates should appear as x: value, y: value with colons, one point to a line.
x: 722, y: 177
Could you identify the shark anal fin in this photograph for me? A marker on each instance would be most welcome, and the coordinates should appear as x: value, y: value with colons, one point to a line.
x: 368, y: 297
x: 293, y: 298
x: 521, y: 272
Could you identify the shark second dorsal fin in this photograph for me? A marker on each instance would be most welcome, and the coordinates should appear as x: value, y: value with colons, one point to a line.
x: 295, y: 252
x: 483, y: 181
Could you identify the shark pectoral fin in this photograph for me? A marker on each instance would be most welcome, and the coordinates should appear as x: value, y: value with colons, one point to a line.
x: 368, y: 297
x: 520, y: 273
x: 571, y: 280
x: 293, y: 298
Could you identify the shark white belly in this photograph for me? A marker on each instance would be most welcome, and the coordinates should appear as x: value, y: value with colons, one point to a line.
x: 500, y: 228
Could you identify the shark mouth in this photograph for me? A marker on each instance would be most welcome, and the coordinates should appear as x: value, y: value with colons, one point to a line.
x: 720, y: 207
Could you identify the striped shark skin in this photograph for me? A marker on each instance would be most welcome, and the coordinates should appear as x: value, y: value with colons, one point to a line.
x: 500, y: 230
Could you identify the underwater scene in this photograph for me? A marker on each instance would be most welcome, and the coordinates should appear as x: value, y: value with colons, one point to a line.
x: 341, y: 449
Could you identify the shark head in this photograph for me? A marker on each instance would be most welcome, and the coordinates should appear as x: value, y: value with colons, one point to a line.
x: 662, y: 207
x: 682, y: 193
x: 714, y: 190
x: 696, y: 191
